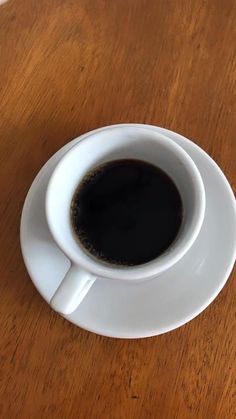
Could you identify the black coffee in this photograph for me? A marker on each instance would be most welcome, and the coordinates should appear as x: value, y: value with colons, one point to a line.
x: 126, y: 212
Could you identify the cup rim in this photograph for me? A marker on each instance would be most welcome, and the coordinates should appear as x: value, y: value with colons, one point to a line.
x: 157, y: 265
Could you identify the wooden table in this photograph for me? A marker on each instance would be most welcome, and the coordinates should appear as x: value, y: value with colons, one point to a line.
x: 67, y: 67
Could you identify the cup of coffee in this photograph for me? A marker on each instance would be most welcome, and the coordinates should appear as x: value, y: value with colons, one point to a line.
x: 125, y: 203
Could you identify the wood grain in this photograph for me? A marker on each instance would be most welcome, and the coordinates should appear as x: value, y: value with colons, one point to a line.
x: 67, y: 67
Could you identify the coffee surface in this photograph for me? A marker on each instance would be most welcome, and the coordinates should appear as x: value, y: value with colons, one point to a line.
x: 126, y: 212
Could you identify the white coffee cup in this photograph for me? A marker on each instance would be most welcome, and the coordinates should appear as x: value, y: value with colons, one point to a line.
x: 95, y: 149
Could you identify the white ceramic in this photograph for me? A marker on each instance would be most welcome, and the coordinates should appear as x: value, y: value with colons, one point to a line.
x: 134, y: 310
x: 100, y: 147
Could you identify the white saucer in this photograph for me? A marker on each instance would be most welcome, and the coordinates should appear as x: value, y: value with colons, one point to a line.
x: 152, y: 307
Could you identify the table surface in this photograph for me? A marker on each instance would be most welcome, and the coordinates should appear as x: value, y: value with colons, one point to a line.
x: 67, y: 67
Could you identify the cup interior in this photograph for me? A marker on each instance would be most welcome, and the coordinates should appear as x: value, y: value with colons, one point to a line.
x: 112, y: 144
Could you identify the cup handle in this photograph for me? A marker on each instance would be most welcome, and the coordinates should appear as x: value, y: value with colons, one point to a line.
x: 72, y: 290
